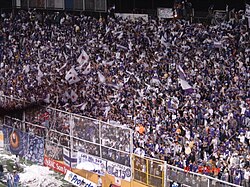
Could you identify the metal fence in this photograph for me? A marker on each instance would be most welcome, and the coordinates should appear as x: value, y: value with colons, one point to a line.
x: 110, y: 142
x: 193, y: 179
x: 149, y: 171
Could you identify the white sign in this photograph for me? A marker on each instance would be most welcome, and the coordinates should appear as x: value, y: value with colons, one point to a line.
x: 78, y: 180
x: 165, y: 13
x: 132, y: 17
x: 83, y: 158
x: 119, y: 171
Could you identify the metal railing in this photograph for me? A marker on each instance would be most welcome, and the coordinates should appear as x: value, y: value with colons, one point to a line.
x: 149, y: 171
x: 193, y: 179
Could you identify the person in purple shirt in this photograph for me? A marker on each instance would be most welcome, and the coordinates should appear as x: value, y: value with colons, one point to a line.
x: 16, y: 179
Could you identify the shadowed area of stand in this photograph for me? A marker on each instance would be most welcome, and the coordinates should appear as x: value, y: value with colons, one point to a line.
x: 17, y: 111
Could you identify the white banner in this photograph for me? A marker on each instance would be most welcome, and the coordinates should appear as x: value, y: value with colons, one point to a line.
x: 86, y: 158
x: 132, y: 16
x: 119, y: 171
x: 166, y: 13
x: 77, y: 180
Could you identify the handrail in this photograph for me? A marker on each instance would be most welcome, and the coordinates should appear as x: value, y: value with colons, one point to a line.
x: 202, y: 175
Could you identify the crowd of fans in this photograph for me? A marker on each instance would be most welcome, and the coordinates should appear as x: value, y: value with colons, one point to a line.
x: 183, y: 88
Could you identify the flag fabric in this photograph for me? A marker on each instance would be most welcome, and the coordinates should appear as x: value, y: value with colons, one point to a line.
x: 182, y: 74
x: 87, y: 70
x: 72, y: 76
x: 73, y: 96
x: 101, y: 78
x: 65, y: 97
x: 83, y: 58
x: 39, y: 75
x: 182, y: 80
x: 186, y: 86
x: 83, y: 106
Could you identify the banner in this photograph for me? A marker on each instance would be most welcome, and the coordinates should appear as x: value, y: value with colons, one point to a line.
x: 15, y: 141
x: 35, y: 152
x: 166, y: 13
x: 119, y: 171
x: 69, y: 158
x: 83, y: 157
x: 78, y: 180
x: 132, y: 17
x: 56, y: 165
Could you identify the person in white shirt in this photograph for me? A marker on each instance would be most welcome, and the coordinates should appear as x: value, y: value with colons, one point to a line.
x: 99, y: 182
x: 246, y: 177
x: 9, y: 178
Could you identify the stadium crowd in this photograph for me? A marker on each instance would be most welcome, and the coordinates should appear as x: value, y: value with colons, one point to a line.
x: 183, y: 88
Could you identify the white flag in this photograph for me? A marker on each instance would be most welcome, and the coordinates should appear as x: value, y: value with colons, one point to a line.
x: 39, y: 76
x: 65, y: 97
x: 83, y: 106
x: 83, y: 58
x: 101, y: 78
x: 72, y: 76
x: 73, y: 96
x: 87, y: 70
x: 185, y: 85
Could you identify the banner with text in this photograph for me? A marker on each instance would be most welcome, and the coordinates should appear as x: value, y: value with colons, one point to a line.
x: 56, y: 165
x: 119, y: 171
x: 97, y: 162
x: 78, y: 180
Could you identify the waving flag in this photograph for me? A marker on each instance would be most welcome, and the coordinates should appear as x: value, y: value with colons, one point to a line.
x: 182, y: 74
x: 73, y: 96
x: 72, y: 76
x: 83, y: 58
x: 101, y: 78
x: 87, y: 70
x: 182, y: 80
x: 186, y: 86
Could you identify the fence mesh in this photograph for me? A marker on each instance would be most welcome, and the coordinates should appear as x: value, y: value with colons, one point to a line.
x: 115, y: 137
x: 185, y: 178
x: 86, y: 147
x: 148, y: 171
x: 86, y: 129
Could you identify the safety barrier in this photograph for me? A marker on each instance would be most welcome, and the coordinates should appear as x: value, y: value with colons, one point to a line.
x: 70, y: 132
x: 149, y: 171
